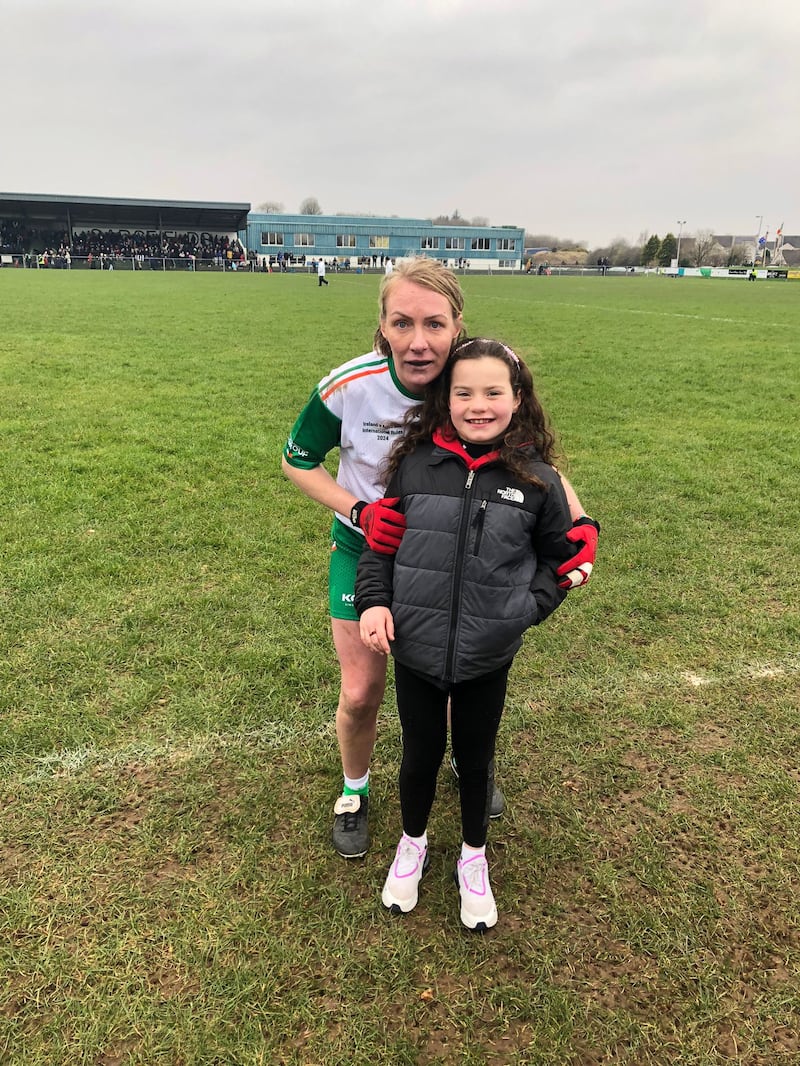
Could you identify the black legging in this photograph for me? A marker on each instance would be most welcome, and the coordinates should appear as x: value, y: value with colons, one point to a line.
x: 476, y: 709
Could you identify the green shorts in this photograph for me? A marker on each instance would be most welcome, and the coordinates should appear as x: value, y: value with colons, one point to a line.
x: 346, y: 547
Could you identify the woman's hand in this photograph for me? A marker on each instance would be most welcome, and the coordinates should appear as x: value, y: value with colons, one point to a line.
x: 377, y: 629
x: 577, y: 570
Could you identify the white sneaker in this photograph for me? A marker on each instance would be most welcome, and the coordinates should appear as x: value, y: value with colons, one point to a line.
x: 401, y: 890
x: 478, y: 909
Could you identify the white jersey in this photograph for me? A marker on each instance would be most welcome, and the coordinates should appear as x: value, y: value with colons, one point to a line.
x: 358, y: 408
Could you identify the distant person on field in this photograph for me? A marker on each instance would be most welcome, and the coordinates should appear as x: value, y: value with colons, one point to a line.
x: 486, y: 530
x: 321, y: 279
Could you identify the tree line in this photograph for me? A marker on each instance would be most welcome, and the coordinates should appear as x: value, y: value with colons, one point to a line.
x: 698, y: 249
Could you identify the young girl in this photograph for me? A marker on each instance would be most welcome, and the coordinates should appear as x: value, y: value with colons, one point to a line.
x: 486, y: 530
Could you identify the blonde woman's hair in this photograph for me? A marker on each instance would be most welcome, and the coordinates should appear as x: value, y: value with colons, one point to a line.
x: 429, y: 274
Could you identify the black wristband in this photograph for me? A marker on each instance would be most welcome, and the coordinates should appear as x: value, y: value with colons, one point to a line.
x: 355, y: 513
x: 585, y: 520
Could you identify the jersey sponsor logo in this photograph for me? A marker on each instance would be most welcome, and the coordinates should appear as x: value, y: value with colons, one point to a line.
x: 512, y: 495
x: 348, y: 597
x: 295, y: 449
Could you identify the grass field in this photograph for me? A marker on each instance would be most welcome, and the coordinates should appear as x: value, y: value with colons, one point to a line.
x: 167, y: 686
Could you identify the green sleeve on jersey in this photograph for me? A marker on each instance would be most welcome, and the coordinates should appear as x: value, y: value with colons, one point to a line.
x: 316, y: 432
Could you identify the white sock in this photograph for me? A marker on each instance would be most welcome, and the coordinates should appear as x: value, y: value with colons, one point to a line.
x: 357, y: 784
x: 421, y: 842
x: 469, y: 853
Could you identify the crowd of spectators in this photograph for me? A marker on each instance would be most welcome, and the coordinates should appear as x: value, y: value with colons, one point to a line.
x: 54, y: 247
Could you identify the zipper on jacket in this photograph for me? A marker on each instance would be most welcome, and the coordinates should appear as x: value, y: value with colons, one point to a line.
x: 463, y: 530
x: 477, y: 521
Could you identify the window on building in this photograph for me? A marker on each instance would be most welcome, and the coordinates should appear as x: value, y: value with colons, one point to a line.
x: 304, y: 240
x: 455, y: 244
x: 429, y: 243
x: 506, y: 244
x: 505, y: 264
x: 479, y: 244
x: 379, y: 242
x: 345, y: 240
x: 272, y: 238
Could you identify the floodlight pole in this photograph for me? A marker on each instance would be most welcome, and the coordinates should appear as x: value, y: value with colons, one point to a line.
x: 681, y: 224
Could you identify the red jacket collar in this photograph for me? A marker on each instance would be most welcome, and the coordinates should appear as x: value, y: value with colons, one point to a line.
x: 447, y: 439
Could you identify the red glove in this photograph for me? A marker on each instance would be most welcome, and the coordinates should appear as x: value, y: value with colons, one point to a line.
x: 577, y: 570
x: 383, y: 526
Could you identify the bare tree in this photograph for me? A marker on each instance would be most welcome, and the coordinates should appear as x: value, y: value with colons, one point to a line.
x: 737, y: 255
x: 271, y: 207
x: 618, y: 253
x: 310, y: 206
x: 703, y: 243
x: 718, y: 256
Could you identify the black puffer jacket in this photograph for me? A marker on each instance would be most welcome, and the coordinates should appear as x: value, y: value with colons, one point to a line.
x: 476, y: 566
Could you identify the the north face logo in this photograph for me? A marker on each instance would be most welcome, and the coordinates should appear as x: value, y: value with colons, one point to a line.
x: 512, y: 495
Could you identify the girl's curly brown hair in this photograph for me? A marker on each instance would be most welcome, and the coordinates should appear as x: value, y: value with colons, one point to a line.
x: 529, y: 427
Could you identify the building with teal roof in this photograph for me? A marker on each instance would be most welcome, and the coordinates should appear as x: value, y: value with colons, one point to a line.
x: 362, y: 238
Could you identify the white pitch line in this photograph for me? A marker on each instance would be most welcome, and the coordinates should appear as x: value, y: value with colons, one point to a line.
x: 661, y: 314
x: 279, y: 735
x: 751, y: 671
x: 274, y: 735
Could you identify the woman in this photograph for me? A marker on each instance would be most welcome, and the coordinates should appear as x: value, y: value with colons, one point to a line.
x: 359, y: 409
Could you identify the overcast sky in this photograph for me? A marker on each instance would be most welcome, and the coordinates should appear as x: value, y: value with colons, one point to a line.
x: 585, y: 119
